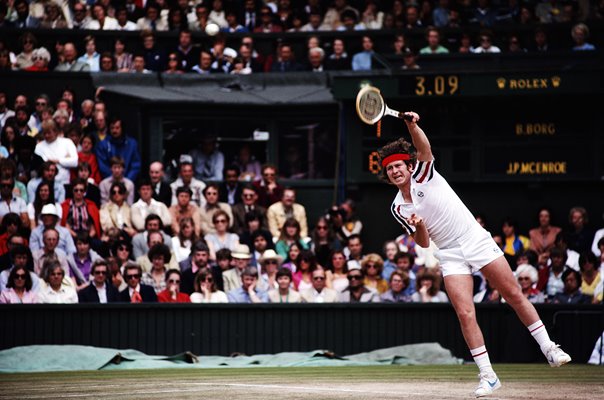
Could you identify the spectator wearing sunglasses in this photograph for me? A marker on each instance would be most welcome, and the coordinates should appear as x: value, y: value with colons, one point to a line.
x: 324, y: 241
x: 80, y: 214
x: 372, y: 266
x: 116, y: 213
x: 41, y: 59
x: 172, y: 293
x: 268, y: 189
x: 80, y: 18
x: 212, y: 206
x: 319, y: 293
x: 249, y: 203
x: 221, y: 239
x: 100, y: 290
x: 357, y: 292
x: 136, y: 292
x: 18, y: 289
x: 206, y: 290
x: 19, y: 256
x: 486, y: 44
x: 28, y: 44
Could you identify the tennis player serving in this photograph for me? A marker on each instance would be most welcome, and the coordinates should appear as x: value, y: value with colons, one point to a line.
x: 427, y: 208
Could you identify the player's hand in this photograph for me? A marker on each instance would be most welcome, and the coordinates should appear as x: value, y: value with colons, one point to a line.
x: 415, y: 220
x: 414, y: 117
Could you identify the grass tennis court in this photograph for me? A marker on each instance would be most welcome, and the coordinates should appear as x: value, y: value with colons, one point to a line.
x: 520, y: 381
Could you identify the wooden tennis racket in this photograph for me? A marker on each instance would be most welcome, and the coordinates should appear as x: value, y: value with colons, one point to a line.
x: 371, y: 106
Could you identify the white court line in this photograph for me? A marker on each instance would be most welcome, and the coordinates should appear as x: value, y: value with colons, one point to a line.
x: 306, y: 388
x: 138, y: 392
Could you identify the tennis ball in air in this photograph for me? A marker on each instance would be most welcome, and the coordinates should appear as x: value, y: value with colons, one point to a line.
x: 212, y: 29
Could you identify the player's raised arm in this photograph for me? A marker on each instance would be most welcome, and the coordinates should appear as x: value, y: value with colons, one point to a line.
x: 419, y: 138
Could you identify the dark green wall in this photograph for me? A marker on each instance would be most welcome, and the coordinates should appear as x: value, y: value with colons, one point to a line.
x: 266, y: 329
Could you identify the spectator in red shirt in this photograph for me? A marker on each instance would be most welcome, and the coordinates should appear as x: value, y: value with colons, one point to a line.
x: 172, y: 293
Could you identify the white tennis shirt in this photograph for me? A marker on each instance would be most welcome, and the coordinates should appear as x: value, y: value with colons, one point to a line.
x: 446, y: 217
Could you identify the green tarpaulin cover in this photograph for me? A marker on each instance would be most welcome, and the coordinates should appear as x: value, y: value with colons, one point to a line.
x: 43, y: 358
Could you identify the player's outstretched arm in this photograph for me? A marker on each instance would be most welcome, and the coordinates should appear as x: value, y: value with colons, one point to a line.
x: 419, y: 138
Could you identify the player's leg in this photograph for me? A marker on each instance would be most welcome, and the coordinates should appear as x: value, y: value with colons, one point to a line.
x: 500, y: 276
x: 459, y: 289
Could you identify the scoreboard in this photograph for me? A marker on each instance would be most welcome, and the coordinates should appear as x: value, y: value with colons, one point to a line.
x: 488, y: 127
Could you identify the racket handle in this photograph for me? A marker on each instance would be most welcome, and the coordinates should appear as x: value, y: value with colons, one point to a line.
x: 397, y: 114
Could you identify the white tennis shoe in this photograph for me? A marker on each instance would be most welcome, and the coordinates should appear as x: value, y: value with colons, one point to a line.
x: 555, y: 356
x: 488, y: 384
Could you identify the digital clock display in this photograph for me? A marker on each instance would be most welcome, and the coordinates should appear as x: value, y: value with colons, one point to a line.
x: 430, y: 85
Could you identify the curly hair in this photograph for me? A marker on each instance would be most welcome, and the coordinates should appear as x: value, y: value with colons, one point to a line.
x: 397, y: 147
x: 377, y: 261
x: 160, y: 250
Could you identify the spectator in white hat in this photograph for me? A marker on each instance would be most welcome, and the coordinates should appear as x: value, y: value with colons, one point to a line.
x: 50, y: 217
x: 232, y: 278
x: 41, y: 58
x: 269, y: 262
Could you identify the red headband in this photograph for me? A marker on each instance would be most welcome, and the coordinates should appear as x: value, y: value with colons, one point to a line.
x: 395, y: 157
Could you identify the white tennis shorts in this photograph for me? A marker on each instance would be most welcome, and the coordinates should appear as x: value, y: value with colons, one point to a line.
x: 469, y: 253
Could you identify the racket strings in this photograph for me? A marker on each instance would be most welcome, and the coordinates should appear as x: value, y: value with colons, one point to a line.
x: 371, y: 106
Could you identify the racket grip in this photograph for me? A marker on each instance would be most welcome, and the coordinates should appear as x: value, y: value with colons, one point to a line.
x: 406, y: 117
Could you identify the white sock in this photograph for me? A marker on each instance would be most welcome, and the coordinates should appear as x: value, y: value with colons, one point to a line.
x: 540, y: 334
x: 481, y: 358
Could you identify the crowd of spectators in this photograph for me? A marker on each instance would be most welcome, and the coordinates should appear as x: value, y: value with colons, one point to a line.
x: 313, y: 17
x: 82, y: 220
